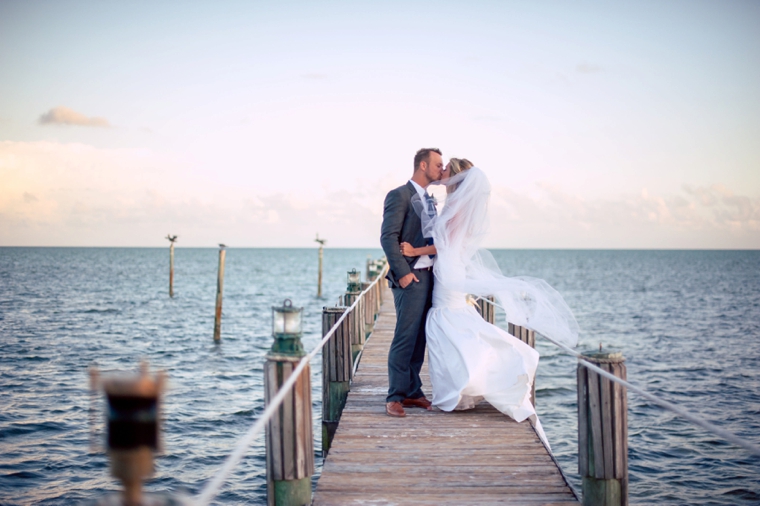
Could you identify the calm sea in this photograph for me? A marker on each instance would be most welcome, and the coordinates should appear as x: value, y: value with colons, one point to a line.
x: 688, y: 323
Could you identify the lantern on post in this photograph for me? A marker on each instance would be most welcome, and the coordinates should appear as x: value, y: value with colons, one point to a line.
x: 287, y: 329
x: 354, y: 283
x: 289, y: 435
x: 133, y: 431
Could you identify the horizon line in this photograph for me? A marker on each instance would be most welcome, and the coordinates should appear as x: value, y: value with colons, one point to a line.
x: 379, y: 248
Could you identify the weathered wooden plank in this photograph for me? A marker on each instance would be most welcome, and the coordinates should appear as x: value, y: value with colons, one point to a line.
x: 275, y: 427
x: 301, y: 426
x: 607, y: 422
x: 288, y: 450
x: 582, y: 421
x: 597, y: 455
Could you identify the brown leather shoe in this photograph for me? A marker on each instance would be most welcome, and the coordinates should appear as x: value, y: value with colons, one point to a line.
x: 419, y: 402
x: 394, y: 409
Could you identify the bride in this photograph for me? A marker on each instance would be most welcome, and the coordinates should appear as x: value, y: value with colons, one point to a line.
x: 470, y: 359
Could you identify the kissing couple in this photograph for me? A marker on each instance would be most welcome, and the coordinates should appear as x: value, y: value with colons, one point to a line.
x: 435, y: 261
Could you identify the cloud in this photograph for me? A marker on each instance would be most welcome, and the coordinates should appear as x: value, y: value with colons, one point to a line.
x: 72, y: 194
x: 314, y: 75
x: 697, y: 217
x: 66, y: 116
x: 588, y: 68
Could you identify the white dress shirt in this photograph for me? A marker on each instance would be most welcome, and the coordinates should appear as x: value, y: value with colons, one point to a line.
x: 424, y: 261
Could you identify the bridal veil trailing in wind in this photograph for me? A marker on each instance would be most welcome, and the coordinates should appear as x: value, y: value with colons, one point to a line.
x: 470, y: 359
x: 462, y: 266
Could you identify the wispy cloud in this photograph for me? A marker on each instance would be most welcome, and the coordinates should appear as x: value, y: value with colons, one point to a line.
x: 697, y: 217
x: 77, y: 195
x: 65, y: 116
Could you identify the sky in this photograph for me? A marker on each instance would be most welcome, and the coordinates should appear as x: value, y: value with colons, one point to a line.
x: 261, y: 124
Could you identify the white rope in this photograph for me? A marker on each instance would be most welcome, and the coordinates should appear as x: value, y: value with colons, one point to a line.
x: 709, y: 426
x: 212, y: 488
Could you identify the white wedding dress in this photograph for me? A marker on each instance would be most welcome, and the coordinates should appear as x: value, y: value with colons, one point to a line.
x: 471, y: 360
x: 468, y: 358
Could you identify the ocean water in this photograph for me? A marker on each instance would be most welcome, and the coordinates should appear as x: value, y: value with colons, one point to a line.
x: 688, y: 323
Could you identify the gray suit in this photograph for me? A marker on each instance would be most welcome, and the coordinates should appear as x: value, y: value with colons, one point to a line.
x: 402, y: 224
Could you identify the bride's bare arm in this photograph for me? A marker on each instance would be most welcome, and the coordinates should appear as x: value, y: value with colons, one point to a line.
x: 408, y: 251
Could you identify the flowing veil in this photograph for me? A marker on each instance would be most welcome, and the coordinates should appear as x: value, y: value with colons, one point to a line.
x: 462, y: 266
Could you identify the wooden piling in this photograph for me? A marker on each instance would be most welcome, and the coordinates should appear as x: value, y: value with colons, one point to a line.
x: 373, y: 270
x: 336, y: 372
x: 486, y: 310
x: 289, y: 437
x: 356, y: 323
x: 368, y: 313
x: 603, y: 432
x: 528, y: 337
x: 321, y: 257
x: 219, y: 291
x: 171, y: 238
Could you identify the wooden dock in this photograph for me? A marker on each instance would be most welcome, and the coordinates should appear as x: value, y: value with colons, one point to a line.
x: 476, y: 457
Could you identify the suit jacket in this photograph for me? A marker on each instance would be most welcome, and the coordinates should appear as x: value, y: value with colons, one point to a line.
x: 400, y: 224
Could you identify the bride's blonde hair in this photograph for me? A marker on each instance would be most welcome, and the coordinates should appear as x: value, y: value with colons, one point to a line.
x: 457, y: 165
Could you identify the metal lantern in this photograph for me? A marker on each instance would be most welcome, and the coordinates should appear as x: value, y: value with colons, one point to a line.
x: 133, y: 426
x: 354, y: 281
x: 374, y: 271
x: 287, y: 329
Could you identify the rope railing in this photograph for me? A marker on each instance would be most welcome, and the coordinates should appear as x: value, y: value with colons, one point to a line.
x: 709, y: 426
x: 213, y: 487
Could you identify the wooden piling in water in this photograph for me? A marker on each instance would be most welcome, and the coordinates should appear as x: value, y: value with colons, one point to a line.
x: 321, y: 257
x: 603, y: 432
x: 171, y: 238
x: 289, y: 433
x: 528, y: 337
x: 219, y: 291
x: 336, y: 372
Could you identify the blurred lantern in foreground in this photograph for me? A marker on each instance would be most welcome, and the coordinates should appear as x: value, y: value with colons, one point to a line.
x: 133, y: 427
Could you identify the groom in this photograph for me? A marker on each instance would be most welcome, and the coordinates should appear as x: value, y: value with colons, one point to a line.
x: 411, y: 279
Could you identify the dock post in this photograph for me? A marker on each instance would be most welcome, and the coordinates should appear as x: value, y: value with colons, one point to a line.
x: 336, y: 373
x: 379, y: 266
x: 321, y: 257
x: 368, y: 314
x: 171, y: 238
x: 219, y: 291
x: 603, y: 432
x: 356, y: 318
x: 486, y: 310
x: 528, y: 337
x: 289, y: 436
x: 373, y: 272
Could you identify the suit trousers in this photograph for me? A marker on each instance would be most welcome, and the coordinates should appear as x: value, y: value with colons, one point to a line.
x: 407, y: 351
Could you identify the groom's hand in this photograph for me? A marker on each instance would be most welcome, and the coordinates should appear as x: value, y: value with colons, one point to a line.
x: 407, y: 280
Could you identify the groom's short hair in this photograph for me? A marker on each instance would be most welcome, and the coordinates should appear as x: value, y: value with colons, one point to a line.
x: 423, y: 155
